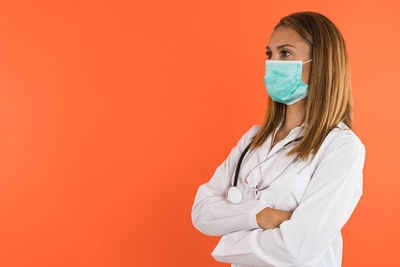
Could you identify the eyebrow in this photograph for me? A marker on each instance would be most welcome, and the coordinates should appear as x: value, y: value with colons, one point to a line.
x: 281, y: 46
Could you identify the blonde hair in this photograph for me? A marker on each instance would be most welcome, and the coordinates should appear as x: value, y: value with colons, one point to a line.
x: 329, y: 99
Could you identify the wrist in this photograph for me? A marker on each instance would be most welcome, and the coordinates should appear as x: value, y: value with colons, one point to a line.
x: 271, y: 216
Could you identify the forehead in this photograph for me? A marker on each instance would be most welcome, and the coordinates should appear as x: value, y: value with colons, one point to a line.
x: 286, y: 35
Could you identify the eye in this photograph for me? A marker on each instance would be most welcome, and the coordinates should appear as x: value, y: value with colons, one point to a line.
x: 284, y: 53
x: 269, y: 54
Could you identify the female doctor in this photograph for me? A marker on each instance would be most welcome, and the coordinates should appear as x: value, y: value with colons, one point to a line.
x: 287, y: 188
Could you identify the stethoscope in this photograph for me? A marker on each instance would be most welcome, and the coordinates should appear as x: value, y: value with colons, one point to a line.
x: 234, y: 194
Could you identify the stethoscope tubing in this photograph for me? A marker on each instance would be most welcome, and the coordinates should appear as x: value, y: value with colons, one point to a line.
x: 244, y: 153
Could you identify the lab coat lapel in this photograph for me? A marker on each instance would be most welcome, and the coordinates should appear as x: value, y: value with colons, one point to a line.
x: 266, y: 150
x: 266, y: 146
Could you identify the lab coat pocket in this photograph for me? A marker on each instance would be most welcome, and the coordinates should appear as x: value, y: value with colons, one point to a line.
x: 293, y: 191
x: 288, y: 204
x: 286, y: 193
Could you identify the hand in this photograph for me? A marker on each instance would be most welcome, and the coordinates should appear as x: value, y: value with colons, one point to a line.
x: 270, y: 218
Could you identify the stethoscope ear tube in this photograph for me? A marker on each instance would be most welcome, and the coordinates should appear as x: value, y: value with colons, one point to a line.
x: 233, y: 194
x: 239, y: 163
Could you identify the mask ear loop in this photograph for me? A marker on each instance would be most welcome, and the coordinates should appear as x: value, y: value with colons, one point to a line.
x: 307, y: 61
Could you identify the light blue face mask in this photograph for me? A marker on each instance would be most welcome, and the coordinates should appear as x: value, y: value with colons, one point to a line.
x: 283, y: 80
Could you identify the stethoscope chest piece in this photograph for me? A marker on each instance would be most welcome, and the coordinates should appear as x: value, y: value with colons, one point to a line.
x: 234, y: 195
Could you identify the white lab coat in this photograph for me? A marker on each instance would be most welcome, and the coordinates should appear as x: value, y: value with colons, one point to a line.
x: 322, y: 193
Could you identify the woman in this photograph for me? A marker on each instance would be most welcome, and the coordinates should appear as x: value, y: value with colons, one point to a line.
x: 301, y: 171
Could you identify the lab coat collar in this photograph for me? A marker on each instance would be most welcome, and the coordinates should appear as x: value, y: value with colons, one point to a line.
x: 296, y: 129
x: 266, y: 151
x: 293, y: 134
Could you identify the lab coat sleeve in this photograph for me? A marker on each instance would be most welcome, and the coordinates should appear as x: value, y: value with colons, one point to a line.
x: 326, y: 205
x: 212, y: 214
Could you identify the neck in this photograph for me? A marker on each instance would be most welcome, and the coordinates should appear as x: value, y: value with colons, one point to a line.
x: 294, y: 115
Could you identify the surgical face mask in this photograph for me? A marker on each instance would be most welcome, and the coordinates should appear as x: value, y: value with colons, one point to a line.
x: 283, y: 80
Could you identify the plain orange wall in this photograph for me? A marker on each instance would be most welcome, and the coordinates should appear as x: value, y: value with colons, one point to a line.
x: 112, y: 113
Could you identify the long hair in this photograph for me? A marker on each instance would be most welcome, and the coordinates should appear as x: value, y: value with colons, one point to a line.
x: 329, y: 99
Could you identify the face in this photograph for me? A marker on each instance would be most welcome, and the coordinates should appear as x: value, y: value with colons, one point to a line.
x: 286, y: 44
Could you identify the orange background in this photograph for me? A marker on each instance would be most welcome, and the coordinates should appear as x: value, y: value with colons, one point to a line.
x: 112, y: 113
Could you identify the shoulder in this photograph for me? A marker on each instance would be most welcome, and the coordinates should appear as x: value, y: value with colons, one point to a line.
x: 248, y: 135
x: 342, y: 140
x: 252, y: 131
